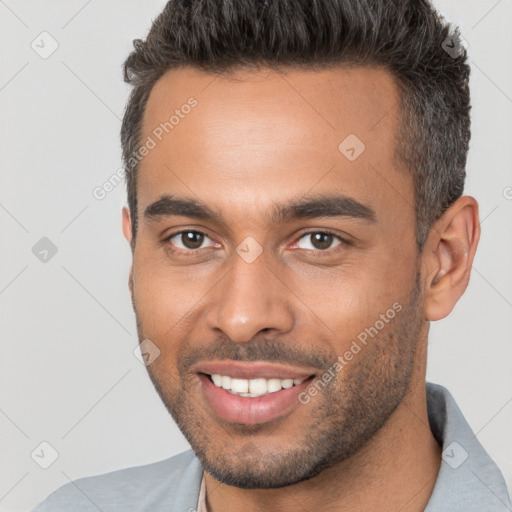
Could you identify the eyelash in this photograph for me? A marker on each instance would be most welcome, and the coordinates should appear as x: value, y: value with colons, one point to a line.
x: 318, y: 252
x: 188, y: 252
x: 192, y: 252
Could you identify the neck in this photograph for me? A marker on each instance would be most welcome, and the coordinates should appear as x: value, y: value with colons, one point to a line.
x: 396, y: 470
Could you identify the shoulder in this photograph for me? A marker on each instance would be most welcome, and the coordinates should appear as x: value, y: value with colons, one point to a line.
x: 468, y: 479
x: 135, y: 488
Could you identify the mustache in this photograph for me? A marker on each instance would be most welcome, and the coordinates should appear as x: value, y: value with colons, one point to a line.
x: 268, y: 349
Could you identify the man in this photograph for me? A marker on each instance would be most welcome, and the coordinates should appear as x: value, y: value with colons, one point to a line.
x: 295, y: 174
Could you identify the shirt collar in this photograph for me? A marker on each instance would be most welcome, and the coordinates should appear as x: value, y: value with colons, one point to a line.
x: 468, y: 480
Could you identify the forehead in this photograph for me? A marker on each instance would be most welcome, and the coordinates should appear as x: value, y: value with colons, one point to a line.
x: 263, y: 135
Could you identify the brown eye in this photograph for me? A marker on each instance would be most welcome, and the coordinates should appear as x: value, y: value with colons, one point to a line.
x: 319, y: 241
x: 190, y: 240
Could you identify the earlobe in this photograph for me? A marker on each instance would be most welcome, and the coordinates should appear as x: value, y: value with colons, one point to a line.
x: 448, y: 257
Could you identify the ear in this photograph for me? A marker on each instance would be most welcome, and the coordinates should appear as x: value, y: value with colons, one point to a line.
x: 127, y: 231
x: 448, y: 256
x: 127, y: 225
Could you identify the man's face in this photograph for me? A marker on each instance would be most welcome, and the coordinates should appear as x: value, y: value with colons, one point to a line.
x: 301, y: 290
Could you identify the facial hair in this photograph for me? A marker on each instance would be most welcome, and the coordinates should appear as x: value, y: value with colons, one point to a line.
x: 345, y: 414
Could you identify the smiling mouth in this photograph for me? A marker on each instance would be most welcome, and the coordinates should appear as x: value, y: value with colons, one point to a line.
x: 253, y: 388
x: 252, y: 401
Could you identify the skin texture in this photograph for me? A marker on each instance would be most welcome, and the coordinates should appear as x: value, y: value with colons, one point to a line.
x: 260, y: 138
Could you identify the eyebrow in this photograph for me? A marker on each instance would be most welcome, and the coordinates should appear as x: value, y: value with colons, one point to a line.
x: 304, y: 208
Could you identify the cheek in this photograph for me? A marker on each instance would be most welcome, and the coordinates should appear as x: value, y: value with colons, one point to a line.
x: 159, y: 318
x: 353, y: 298
x: 157, y: 301
x: 167, y: 299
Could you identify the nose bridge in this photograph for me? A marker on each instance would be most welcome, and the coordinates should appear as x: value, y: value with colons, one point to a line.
x: 250, y: 298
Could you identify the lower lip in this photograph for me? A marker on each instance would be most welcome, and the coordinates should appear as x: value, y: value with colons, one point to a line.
x: 251, y: 410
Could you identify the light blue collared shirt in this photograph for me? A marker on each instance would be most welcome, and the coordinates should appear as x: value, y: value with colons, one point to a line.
x: 468, y: 480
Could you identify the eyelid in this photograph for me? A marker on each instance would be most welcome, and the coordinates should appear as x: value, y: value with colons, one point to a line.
x: 189, y: 230
x: 343, y: 241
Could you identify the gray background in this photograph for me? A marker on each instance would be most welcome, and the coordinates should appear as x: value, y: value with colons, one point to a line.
x: 68, y: 373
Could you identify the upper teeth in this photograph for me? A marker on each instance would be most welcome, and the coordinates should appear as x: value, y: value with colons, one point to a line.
x: 253, y: 387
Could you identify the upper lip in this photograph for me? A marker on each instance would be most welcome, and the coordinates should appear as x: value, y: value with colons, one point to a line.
x: 253, y: 370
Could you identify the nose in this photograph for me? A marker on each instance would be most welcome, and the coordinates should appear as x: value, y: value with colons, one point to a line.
x: 249, y: 299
